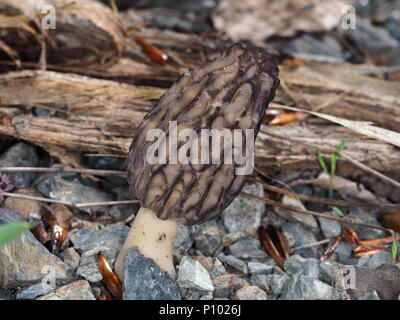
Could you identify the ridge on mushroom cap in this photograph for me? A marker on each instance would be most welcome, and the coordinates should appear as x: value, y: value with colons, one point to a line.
x: 231, y: 92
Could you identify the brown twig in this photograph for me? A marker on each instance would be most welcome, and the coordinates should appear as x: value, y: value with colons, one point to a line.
x: 62, y: 169
x: 69, y: 203
x: 332, y: 202
x: 310, y: 245
x: 316, y: 214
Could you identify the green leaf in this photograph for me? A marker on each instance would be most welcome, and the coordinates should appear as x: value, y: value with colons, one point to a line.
x: 11, y: 230
x: 333, y: 163
x: 342, y: 145
x: 395, y: 249
x: 321, y: 161
x: 338, y: 211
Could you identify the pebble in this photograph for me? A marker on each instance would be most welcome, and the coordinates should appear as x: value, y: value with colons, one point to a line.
x: 231, y: 238
x: 375, y: 40
x: 361, y: 215
x: 69, y: 187
x: 393, y: 26
x: 244, y: 214
x: 28, y: 266
x: 250, y: 293
x: 297, y: 265
x: 70, y: 257
x: 111, y: 237
x: 192, y: 275
x: 218, y: 269
x: 24, y: 207
x: 302, y: 236
x: 326, y: 268
x: 247, y: 248
x: 276, y: 282
x: 373, y: 295
x: 311, y: 48
x: 5, y: 294
x: 144, y: 280
x: 20, y: 155
x: 222, y: 285
x: 183, y: 241
x: 88, y: 266
x: 330, y: 228
x: 234, y: 263
x: 344, y: 250
x: 260, y: 268
x: 209, y: 240
x: 78, y: 290
x: 304, y: 287
x: 379, y: 258
x: 34, y: 291
x: 305, y: 219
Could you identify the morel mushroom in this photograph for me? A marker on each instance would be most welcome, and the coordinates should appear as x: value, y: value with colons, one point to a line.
x: 187, y: 174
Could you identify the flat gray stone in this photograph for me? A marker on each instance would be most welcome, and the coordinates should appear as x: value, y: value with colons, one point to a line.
x: 144, y: 280
x: 244, y: 214
x: 235, y: 263
x: 25, y: 261
x: 297, y: 265
x: 192, y: 275
x: 34, y: 291
x: 306, y: 288
x: 78, y: 290
x: 111, y: 237
x: 248, y: 248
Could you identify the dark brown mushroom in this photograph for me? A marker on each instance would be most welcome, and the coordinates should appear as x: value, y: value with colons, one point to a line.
x: 191, y: 173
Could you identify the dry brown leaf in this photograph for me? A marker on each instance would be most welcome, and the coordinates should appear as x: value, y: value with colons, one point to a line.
x: 257, y: 20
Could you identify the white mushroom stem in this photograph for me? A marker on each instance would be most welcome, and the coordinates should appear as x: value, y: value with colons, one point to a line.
x: 154, y: 238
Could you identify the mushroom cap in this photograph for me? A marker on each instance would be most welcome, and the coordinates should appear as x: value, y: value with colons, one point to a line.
x: 231, y: 92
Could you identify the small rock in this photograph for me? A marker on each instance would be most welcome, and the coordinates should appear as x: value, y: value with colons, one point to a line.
x: 144, y: 280
x: 259, y: 280
x: 325, y: 270
x: 250, y: 293
x: 310, y: 48
x: 218, y: 269
x: 379, y: 258
x: 361, y: 215
x: 71, y: 257
x: 330, y: 228
x: 20, y: 155
x: 222, y: 285
x: 297, y: 265
x: 344, y: 250
x: 307, y: 220
x: 188, y: 294
x: 306, y: 288
x: 373, y: 295
x: 24, y: 207
x: 34, y: 291
x: 209, y: 240
x: 247, y: 248
x: 239, y: 282
x: 302, y: 236
x: 276, y: 282
x: 88, y: 266
x: 111, y: 237
x: 393, y: 26
x: 374, y: 40
x: 207, y: 296
x: 183, y: 241
x: 192, y: 275
x: 244, y: 214
x: 25, y: 261
x: 260, y: 268
x: 79, y: 290
x: 233, y: 262
x: 5, y: 294
x: 231, y: 238
x: 69, y: 187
